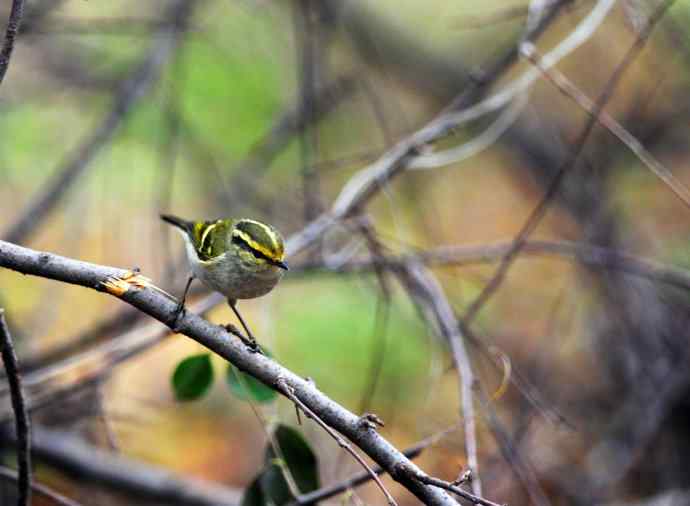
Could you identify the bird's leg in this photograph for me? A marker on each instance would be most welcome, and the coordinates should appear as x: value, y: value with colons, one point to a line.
x: 249, y: 340
x: 179, y: 309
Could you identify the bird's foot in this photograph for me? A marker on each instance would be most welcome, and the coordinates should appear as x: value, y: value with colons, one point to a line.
x: 251, y: 343
x: 177, y: 313
x: 370, y: 421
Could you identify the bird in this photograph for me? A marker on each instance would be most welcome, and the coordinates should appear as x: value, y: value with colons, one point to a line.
x: 239, y: 258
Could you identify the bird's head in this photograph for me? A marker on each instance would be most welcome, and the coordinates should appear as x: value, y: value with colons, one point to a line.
x: 260, y: 239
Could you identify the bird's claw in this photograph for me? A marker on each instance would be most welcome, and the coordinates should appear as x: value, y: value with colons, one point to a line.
x: 177, y: 313
x: 229, y: 327
x: 370, y: 421
x: 251, y: 343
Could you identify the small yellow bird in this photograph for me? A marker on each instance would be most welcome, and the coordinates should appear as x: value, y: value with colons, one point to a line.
x: 240, y: 258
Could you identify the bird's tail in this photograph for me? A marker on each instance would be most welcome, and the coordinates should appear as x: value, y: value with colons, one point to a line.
x: 187, y: 226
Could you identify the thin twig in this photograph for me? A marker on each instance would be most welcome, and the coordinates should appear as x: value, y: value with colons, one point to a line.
x: 13, y: 23
x: 379, y: 340
x: 427, y: 292
x: 270, y: 435
x: 21, y: 417
x: 565, y: 168
x: 561, y: 82
x: 306, y: 29
x: 289, y: 392
x: 588, y: 254
x: 381, y: 316
x: 364, y: 476
x: 456, y: 490
x: 520, y: 465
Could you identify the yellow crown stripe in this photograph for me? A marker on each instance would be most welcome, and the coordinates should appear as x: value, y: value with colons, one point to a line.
x: 270, y: 233
x: 254, y: 245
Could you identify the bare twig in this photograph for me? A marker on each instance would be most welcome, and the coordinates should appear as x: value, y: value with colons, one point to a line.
x: 428, y: 294
x: 270, y: 435
x: 289, y: 392
x: 429, y: 480
x: 365, y: 476
x: 559, y: 80
x: 140, y: 81
x: 381, y: 317
x: 565, y: 168
x: 378, y: 354
x: 13, y: 23
x: 594, y: 256
x: 21, y: 417
x: 309, y: 57
x: 521, y: 467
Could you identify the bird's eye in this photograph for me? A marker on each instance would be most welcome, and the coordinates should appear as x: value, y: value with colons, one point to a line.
x: 238, y: 240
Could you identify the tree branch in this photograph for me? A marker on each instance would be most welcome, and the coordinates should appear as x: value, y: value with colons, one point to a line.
x: 21, y: 417
x: 428, y: 294
x: 593, y: 256
x: 74, y: 456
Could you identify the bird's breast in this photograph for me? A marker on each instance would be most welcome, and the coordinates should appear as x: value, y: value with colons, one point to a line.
x: 235, y: 280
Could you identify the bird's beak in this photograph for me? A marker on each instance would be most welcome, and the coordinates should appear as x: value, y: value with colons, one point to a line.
x: 282, y: 265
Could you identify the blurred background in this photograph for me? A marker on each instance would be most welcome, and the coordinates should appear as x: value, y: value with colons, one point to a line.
x: 115, y: 112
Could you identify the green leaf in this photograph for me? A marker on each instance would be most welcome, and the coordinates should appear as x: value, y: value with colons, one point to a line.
x: 192, y: 377
x: 298, y: 457
x: 270, y: 487
x: 247, y: 387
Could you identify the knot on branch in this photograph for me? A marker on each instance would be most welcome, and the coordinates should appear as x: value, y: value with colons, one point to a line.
x: 119, y: 285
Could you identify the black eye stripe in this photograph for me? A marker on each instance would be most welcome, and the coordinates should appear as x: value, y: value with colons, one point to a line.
x: 236, y: 239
